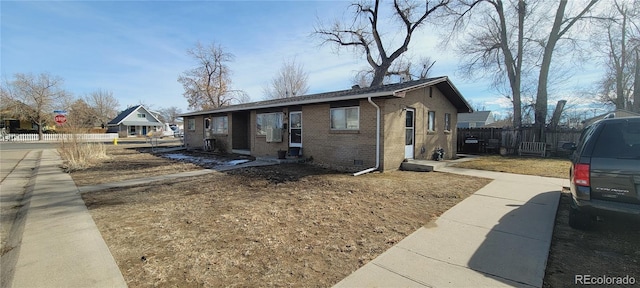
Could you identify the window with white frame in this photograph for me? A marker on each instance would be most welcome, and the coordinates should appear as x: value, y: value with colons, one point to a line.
x: 447, y: 122
x: 191, y: 124
x: 347, y: 118
x: 267, y: 121
x: 220, y: 125
x: 142, y: 115
x: 431, y: 121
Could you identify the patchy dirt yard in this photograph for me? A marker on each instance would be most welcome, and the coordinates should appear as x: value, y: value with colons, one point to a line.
x: 611, y: 248
x: 285, y: 225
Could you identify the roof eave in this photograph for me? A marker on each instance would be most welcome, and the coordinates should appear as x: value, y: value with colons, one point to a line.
x: 294, y: 103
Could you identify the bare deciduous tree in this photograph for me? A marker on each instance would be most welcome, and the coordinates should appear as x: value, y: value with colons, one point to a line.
x: 496, y: 44
x: 34, y: 97
x: 562, y: 23
x: 504, y: 37
x: 208, y: 85
x: 407, y: 70
x: 290, y: 81
x: 402, y: 70
x: 365, y: 36
x: 170, y: 114
x: 104, y: 106
x: 81, y: 115
x: 620, y: 25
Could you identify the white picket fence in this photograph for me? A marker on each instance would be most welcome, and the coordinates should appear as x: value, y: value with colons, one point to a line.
x: 60, y: 137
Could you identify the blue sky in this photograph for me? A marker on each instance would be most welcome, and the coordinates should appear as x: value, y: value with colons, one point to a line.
x: 137, y: 49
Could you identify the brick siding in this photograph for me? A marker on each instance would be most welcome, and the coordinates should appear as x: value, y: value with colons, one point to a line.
x: 355, y: 150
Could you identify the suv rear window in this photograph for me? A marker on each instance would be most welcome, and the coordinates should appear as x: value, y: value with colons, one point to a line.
x: 618, y: 140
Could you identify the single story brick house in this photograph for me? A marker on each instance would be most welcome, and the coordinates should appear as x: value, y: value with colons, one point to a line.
x: 360, y: 129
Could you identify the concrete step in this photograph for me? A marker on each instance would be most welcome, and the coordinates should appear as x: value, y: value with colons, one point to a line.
x: 418, y: 165
x: 422, y: 165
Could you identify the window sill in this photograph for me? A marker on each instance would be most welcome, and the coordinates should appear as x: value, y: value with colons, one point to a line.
x: 344, y: 131
x: 447, y: 131
x: 431, y: 132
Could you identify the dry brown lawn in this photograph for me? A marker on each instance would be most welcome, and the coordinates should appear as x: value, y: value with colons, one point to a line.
x: 548, y: 167
x: 285, y: 225
x: 127, y: 162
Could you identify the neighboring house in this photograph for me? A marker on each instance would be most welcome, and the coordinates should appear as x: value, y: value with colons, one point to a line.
x: 134, y: 121
x: 619, y: 113
x: 14, y: 125
x: 475, y: 119
x: 10, y: 120
x: 339, y: 129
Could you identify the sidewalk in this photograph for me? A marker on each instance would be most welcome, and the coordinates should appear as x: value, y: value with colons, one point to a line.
x: 61, y: 245
x: 498, y: 237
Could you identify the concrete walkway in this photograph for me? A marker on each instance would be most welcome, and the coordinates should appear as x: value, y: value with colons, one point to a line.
x: 498, y: 237
x: 60, y: 245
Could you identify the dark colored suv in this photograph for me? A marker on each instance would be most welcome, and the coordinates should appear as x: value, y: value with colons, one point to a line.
x: 605, y: 171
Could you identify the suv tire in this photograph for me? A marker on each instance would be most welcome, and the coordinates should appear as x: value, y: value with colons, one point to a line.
x: 579, y: 219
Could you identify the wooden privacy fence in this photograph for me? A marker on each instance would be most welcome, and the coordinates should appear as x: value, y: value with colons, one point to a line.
x: 60, y: 137
x: 509, y: 139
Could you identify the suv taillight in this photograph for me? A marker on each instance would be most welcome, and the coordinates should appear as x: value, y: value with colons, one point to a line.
x: 581, y: 174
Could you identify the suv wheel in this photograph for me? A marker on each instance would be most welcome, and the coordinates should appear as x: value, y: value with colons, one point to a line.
x: 579, y: 219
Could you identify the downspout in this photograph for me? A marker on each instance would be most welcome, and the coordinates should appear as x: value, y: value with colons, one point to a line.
x: 377, y: 141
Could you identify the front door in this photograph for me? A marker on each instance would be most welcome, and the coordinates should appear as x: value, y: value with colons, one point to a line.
x: 295, y: 129
x: 144, y: 130
x: 409, y: 133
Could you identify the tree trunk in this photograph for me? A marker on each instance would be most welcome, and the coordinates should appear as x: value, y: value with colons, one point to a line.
x: 517, y: 105
x: 557, y: 31
x: 542, y: 94
x: 636, y: 83
x: 620, y: 99
x: 40, y: 134
x: 380, y: 72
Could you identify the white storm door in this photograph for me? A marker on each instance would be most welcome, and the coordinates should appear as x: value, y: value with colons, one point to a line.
x: 409, y: 133
x: 295, y: 129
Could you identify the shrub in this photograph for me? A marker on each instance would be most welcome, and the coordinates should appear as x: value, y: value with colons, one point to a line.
x: 79, y: 154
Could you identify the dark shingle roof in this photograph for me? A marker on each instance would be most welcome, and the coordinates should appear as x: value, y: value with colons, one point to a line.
x: 123, y: 115
x: 441, y: 83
